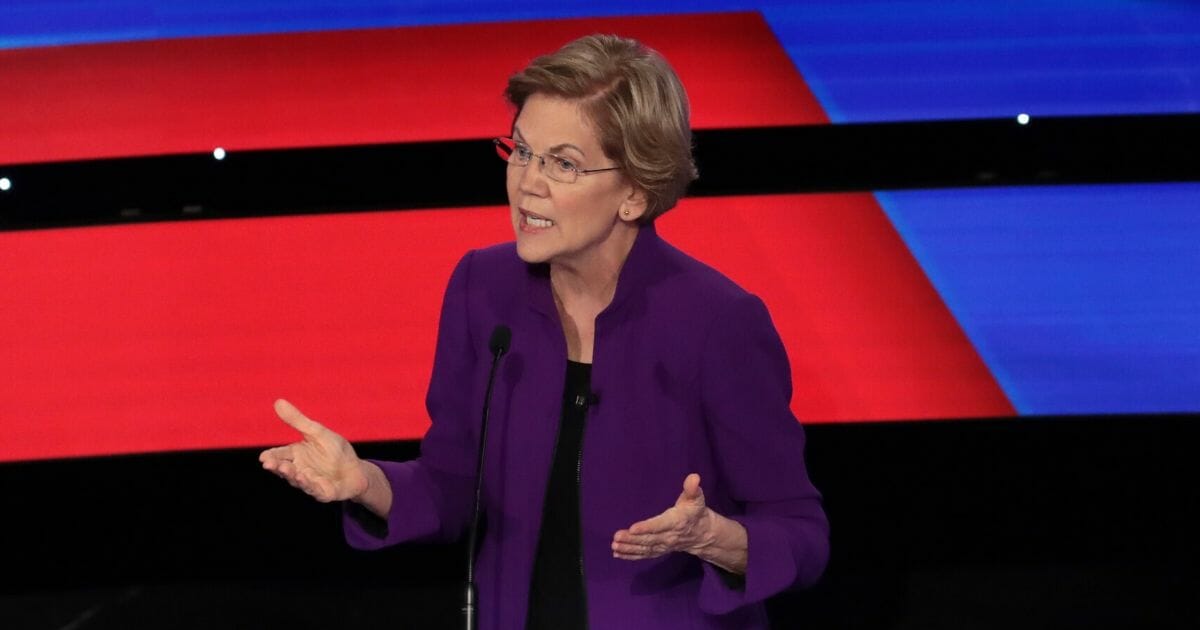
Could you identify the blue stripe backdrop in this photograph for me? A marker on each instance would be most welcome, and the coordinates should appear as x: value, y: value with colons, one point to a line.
x: 1080, y: 299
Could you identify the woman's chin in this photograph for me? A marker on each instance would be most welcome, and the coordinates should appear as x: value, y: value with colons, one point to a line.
x: 530, y: 254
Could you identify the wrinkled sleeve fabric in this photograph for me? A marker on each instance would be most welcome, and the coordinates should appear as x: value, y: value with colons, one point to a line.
x: 746, y: 389
x: 431, y: 495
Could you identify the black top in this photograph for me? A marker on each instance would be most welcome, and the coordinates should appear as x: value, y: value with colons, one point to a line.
x: 556, y: 594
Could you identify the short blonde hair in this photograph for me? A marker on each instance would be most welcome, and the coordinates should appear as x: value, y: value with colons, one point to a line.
x: 636, y: 102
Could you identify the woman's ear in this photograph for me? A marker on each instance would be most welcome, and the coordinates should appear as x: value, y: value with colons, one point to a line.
x: 634, y: 206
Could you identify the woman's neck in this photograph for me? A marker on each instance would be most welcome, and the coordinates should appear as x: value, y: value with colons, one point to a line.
x: 593, y: 280
x: 582, y: 291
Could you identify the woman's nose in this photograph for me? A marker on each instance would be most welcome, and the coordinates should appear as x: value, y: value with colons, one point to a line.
x: 533, y: 180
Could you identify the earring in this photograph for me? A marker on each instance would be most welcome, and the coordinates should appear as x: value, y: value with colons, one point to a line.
x: 626, y: 212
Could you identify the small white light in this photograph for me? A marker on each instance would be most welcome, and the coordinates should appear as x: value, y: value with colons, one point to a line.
x: 1022, y: 119
x: 5, y: 184
x: 219, y: 153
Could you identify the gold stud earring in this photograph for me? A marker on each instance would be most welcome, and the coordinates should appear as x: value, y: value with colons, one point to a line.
x: 626, y: 212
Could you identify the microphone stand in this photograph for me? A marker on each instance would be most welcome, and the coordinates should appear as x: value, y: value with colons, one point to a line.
x: 498, y: 345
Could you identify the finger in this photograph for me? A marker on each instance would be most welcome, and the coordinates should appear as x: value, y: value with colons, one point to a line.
x: 624, y: 541
x: 661, y: 523
x: 276, y: 455
x: 624, y: 536
x: 691, y: 489
x: 298, y: 421
x: 276, y: 473
x: 287, y: 470
x: 653, y: 544
x: 649, y: 549
x: 628, y: 551
x: 645, y: 539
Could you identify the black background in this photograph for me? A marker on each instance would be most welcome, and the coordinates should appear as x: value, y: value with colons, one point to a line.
x: 1035, y: 523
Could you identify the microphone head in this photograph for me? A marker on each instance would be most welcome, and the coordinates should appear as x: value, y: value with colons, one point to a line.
x: 500, y: 341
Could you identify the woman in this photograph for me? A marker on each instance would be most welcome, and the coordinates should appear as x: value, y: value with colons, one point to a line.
x: 633, y: 369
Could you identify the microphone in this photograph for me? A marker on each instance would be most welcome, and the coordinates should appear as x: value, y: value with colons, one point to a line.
x: 498, y: 344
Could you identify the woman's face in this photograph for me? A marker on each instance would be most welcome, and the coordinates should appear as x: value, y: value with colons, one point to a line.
x: 571, y: 224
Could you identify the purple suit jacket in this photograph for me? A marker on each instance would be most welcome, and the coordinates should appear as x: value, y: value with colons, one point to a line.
x: 690, y: 376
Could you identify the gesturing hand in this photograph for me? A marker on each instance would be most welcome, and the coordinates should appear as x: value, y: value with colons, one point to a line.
x: 688, y: 526
x: 322, y: 464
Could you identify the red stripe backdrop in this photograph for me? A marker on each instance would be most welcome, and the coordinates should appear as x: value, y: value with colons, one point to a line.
x: 353, y: 87
x: 179, y: 335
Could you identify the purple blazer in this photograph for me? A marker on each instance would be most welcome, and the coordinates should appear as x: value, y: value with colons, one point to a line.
x: 690, y: 376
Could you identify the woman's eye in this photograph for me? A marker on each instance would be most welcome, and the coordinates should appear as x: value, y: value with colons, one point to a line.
x: 523, y: 152
x: 565, y: 165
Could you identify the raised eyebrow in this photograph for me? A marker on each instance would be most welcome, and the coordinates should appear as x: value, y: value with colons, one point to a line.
x: 519, y: 137
x: 559, y: 147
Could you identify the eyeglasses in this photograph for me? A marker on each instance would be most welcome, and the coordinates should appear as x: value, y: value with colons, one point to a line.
x: 556, y: 167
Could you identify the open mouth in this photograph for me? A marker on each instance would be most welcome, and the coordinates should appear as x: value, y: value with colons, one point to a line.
x: 535, y: 221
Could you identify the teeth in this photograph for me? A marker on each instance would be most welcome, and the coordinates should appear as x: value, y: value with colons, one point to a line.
x: 537, y: 222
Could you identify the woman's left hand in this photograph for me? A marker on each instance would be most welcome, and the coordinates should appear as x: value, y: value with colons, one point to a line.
x: 687, y: 526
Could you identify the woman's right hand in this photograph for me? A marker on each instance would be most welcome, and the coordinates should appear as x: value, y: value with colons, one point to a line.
x: 322, y: 464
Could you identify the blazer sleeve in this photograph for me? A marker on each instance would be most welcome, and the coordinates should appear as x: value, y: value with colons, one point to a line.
x: 432, y: 495
x: 746, y: 389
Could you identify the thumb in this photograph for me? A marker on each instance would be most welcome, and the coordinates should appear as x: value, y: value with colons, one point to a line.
x: 691, y: 490
x: 298, y: 421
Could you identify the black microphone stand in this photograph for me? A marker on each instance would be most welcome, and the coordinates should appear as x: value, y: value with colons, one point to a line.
x: 498, y: 345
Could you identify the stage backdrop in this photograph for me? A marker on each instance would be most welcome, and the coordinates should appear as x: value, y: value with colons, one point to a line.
x: 949, y: 304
